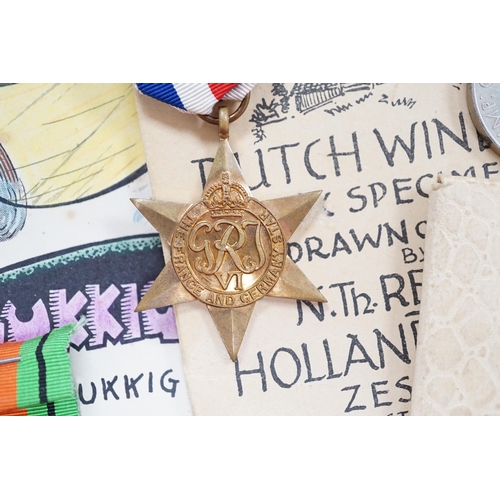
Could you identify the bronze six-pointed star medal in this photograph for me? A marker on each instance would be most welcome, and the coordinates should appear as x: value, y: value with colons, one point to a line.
x: 228, y: 250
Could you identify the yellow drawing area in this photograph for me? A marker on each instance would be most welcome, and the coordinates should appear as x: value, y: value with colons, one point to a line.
x: 70, y: 141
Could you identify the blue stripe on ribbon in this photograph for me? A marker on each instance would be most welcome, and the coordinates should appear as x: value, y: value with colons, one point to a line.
x: 164, y: 92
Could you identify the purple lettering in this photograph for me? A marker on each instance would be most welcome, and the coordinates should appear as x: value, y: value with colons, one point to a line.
x: 64, y: 312
x: 158, y: 324
x: 129, y: 317
x: 99, y: 319
x: 20, y: 331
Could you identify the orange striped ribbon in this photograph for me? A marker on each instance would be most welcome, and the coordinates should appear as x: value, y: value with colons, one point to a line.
x: 8, y: 378
x: 35, y: 376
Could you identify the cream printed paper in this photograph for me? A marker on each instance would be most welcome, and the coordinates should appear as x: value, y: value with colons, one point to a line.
x: 375, y: 151
x: 457, y: 369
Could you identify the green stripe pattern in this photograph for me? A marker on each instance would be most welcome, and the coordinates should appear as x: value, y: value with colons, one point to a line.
x: 65, y: 407
x: 27, y: 375
x: 44, y: 379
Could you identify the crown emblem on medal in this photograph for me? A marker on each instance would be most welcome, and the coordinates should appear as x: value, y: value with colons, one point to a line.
x: 226, y: 198
x: 211, y: 260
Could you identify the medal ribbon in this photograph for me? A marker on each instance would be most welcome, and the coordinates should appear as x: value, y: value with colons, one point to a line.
x: 35, y: 376
x: 196, y: 98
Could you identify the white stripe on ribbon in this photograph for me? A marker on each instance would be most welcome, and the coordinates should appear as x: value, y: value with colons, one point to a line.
x: 197, y: 98
x: 239, y: 92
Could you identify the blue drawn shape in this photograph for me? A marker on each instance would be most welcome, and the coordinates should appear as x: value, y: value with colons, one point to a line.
x: 12, y: 199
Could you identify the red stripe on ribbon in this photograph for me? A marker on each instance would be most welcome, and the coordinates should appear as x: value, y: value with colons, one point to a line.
x: 219, y: 90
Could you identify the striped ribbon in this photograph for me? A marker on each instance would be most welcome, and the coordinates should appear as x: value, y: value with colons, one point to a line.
x: 40, y: 382
x: 197, y: 98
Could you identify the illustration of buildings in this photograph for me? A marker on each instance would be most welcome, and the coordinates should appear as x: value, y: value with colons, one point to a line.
x: 309, y: 96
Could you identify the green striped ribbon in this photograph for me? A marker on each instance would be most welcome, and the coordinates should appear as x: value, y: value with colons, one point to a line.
x: 64, y: 407
x: 44, y: 379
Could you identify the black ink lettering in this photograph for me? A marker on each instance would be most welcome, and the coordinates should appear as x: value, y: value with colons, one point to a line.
x: 397, y: 294
x: 173, y: 387
x: 307, y: 361
x: 413, y: 326
x: 403, y: 237
x: 260, y: 370
x: 487, y: 171
x: 426, y: 138
x: 365, y: 359
x: 355, y: 300
x: 92, y: 398
x: 402, y: 355
x: 315, y: 251
x: 307, y: 161
x: 462, y: 142
x: 418, y: 185
x: 331, y: 373
x: 343, y: 295
x: 130, y: 384
x: 150, y: 382
x: 295, y: 358
x: 419, y: 231
x: 335, y: 155
x: 328, y: 212
x: 389, y: 156
x: 340, y: 245
x: 319, y: 313
x: 292, y: 244
x: 107, y: 387
x: 366, y: 238
x: 406, y: 387
x: 353, y: 196
x: 470, y: 171
x: 201, y: 166
x: 377, y: 199
x: 349, y: 406
x: 397, y: 190
x: 414, y: 285
x: 376, y: 393
x: 409, y: 256
x: 284, y: 160
x: 300, y: 313
x: 262, y: 171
